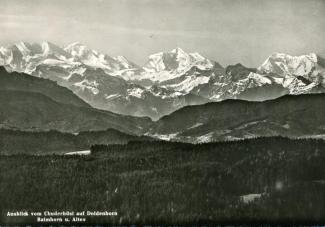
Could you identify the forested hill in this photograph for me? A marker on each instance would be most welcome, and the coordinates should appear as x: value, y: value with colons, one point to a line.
x: 290, y: 116
x: 265, y: 180
x: 54, y: 142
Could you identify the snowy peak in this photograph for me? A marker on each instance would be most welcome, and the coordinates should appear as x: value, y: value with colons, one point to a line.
x: 284, y: 64
x: 178, y: 51
x: 26, y: 57
x: 29, y: 50
x: 95, y: 59
x: 49, y: 49
x: 87, y: 56
x: 299, y: 74
x: 127, y: 64
x: 77, y: 50
x: 176, y: 60
x: 179, y: 54
x: 72, y: 46
x: 24, y: 48
x: 21, y: 48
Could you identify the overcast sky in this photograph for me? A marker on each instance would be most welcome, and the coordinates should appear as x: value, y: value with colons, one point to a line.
x: 228, y: 31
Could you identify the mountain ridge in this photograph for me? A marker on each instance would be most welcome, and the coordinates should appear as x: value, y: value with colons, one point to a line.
x: 290, y: 115
x: 37, y: 104
x: 29, y: 103
x: 23, y: 82
x: 165, y: 82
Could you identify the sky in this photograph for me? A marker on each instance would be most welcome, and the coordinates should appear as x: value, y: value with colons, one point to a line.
x: 227, y: 31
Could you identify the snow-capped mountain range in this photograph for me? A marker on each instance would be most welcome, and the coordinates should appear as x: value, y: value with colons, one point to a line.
x: 167, y: 82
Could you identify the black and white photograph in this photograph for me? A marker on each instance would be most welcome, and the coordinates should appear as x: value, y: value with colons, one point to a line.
x: 162, y: 112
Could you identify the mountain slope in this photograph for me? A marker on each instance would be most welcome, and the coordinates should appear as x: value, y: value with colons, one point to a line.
x: 30, y: 103
x: 23, y: 82
x: 301, y: 115
x: 36, y: 112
